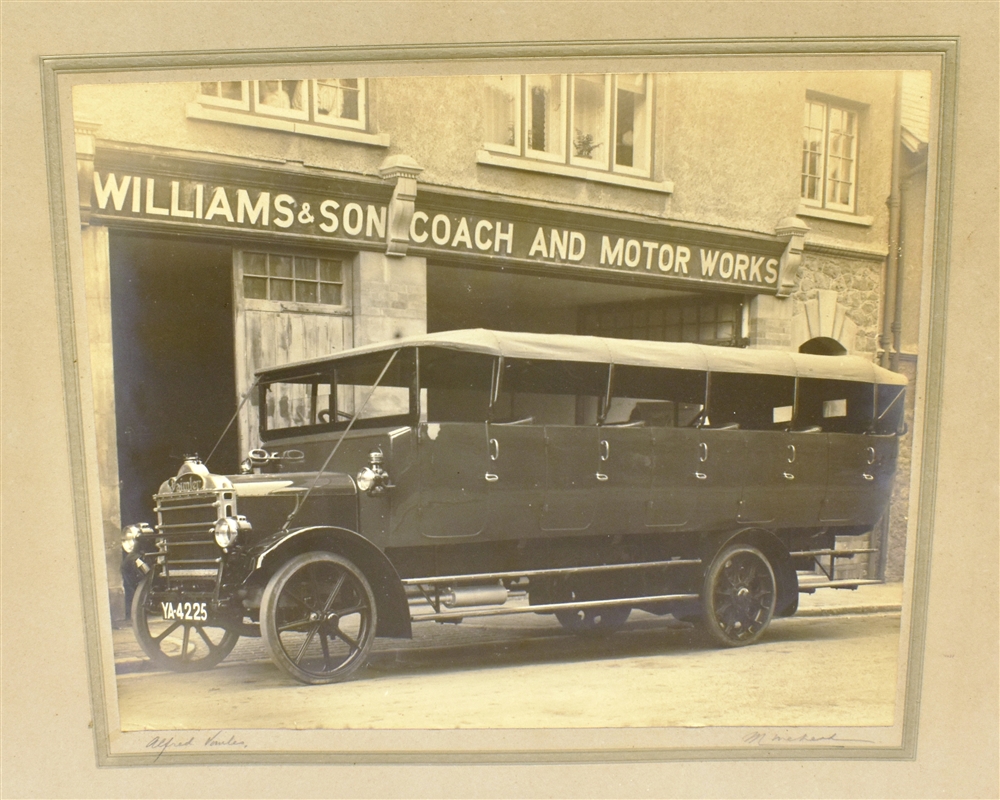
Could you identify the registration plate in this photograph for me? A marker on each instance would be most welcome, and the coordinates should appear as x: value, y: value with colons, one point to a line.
x: 189, y: 612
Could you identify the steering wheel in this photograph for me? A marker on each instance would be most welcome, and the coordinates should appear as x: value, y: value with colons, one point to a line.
x: 324, y: 415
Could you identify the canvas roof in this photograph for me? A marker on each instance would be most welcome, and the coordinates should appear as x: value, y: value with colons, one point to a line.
x: 634, y: 352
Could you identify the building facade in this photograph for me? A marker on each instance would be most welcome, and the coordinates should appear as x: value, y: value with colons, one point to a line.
x: 230, y: 226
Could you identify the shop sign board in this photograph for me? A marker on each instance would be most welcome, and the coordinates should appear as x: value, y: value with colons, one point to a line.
x: 594, y: 244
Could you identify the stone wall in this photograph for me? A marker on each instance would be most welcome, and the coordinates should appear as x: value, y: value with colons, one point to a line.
x: 858, y: 286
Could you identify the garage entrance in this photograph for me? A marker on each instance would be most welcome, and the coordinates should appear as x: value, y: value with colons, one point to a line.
x: 465, y: 297
x: 172, y: 332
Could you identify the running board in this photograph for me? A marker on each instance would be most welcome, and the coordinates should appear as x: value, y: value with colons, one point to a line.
x: 459, y: 613
x: 809, y: 588
x: 536, y: 573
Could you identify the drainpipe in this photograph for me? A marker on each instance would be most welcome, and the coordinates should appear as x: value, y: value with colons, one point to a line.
x: 891, y: 310
x: 897, y: 312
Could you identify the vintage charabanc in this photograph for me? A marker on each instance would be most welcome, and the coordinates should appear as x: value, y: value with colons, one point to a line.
x: 473, y: 473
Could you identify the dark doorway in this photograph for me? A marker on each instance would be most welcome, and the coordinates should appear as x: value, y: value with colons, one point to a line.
x: 175, y: 388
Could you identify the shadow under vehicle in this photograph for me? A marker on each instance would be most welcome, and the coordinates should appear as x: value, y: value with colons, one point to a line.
x: 474, y: 473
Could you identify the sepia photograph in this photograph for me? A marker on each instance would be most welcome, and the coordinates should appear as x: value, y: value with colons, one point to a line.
x: 504, y: 403
x: 594, y: 380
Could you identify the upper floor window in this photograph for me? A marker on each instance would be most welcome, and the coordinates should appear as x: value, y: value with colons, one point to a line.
x: 601, y: 122
x: 339, y: 102
x: 829, y: 156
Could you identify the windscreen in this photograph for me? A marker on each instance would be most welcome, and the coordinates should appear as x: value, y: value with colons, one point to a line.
x: 328, y: 397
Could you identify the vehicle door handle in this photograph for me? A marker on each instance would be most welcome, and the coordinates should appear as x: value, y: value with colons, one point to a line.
x: 601, y: 476
x: 700, y: 476
x: 702, y: 452
x: 788, y: 476
x: 494, y: 449
x: 870, y: 451
x: 605, y: 450
x: 867, y: 477
x: 491, y: 478
x: 791, y: 454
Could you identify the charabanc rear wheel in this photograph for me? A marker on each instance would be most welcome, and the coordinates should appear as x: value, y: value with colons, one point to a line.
x: 181, y: 645
x: 318, y: 618
x: 604, y: 619
x: 738, y: 596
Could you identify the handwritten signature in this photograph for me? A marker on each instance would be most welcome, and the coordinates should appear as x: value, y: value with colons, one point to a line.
x: 165, y: 743
x: 760, y: 738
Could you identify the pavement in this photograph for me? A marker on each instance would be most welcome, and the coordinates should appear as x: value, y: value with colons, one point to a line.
x: 876, y: 598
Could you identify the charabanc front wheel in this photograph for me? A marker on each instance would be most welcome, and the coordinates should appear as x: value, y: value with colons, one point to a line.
x: 177, y: 637
x: 604, y: 619
x: 318, y: 618
x: 738, y: 596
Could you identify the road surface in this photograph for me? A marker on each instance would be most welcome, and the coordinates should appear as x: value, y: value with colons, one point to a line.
x: 526, y: 672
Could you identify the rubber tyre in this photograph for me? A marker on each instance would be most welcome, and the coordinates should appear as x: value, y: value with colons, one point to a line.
x: 738, y: 596
x: 177, y: 645
x: 318, y: 618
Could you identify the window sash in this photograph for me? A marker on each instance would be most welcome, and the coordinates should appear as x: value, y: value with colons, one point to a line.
x: 592, y: 131
x: 360, y: 101
x: 829, y: 157
x: 553, y: 126
x: 218, y: 99
x: 641, y: 122
x: 282, y: 278
x: 503, y: 111
x: 292, y: 92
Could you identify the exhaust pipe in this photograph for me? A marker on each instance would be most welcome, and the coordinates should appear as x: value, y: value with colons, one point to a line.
x: 475, y: 596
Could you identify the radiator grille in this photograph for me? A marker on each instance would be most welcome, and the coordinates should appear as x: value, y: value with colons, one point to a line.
x: 186, y: 540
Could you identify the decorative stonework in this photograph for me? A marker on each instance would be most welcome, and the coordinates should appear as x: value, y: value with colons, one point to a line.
x: 824, y: 317
x: 794, y: 231
x: 404, y: 170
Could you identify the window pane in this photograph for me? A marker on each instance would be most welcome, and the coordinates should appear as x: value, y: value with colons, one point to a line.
x: 232, y: 90
x: 281, y: 290
x: 305, y: 292
x: 545, y: 114
x: 840, y: 160
x: 590, y: 122
x: 351, y: 99
x: 502, y: 92
x: 631, y: 123
x: 281, y: 94
x: 338, y: 98
x: 330, y: 293
x: 255, y: 288
x: 211, y: 89
x: 281, y: 266
x: 329, y: 270
x: 254, y: 264
x: 812, y: 150
x: 305, y: 268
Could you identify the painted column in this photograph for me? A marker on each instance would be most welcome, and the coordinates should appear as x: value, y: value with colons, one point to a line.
x: 390, y: 297
x: 97, y: 286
